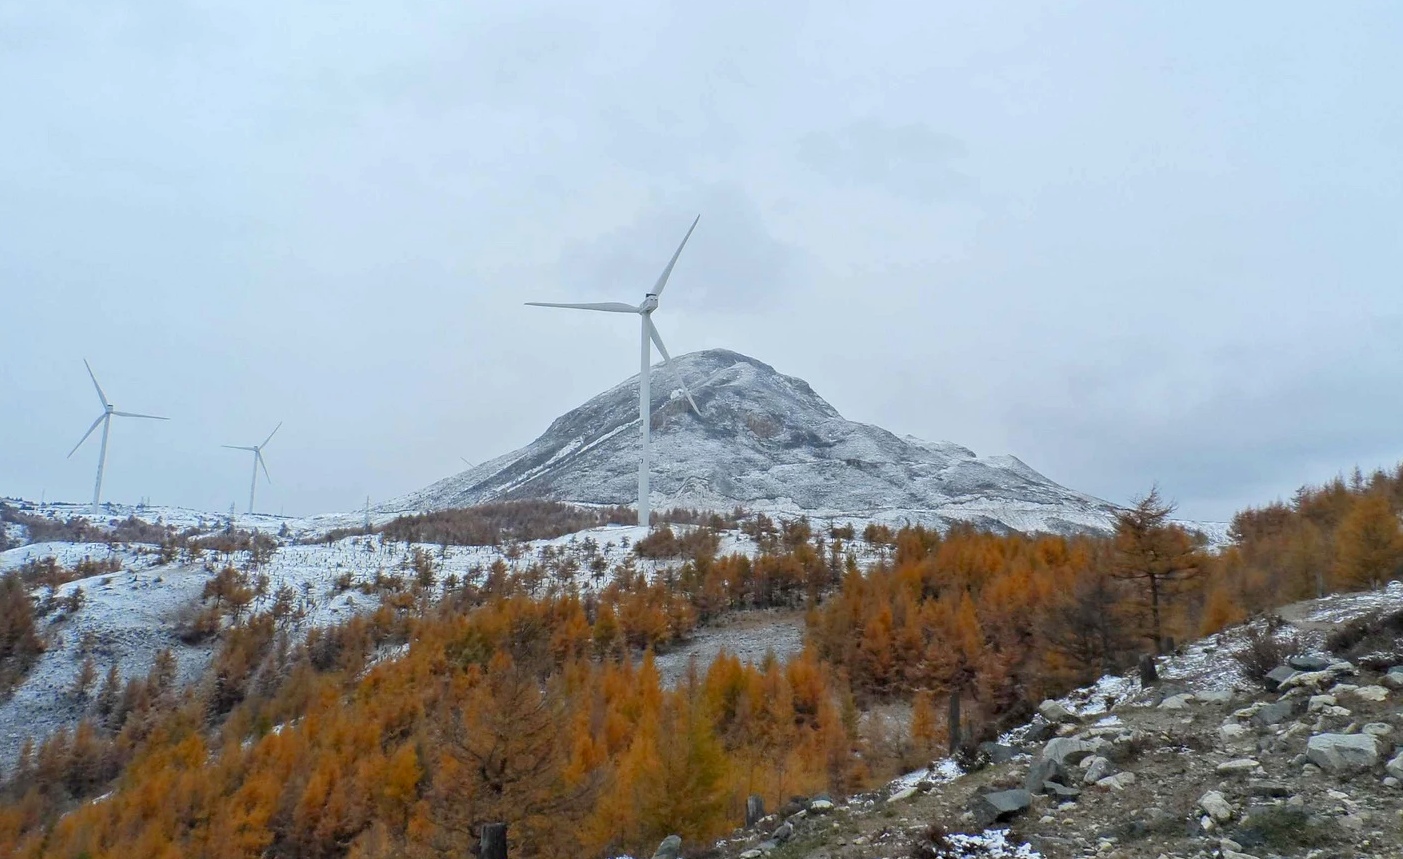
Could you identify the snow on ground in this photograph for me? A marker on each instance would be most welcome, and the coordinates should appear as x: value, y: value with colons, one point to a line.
x: 129, y: 616
x: 1208, y: 664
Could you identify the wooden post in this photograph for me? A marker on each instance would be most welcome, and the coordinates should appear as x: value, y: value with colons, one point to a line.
x: 954, y: 720
x: 754, y: 809
x: 494, y: 841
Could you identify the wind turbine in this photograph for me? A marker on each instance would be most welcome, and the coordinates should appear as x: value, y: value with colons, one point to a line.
x: 108, y: 412
x: 650, y: 336
x: 257, y: 461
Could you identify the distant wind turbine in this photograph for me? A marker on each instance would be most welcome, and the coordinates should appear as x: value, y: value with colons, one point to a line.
x: 108, y: 412
x: 650, y: 335
x: 257, y: 462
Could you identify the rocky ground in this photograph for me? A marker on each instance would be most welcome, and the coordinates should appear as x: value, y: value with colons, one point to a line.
x: 748, y: 635
x: 1204, y: 763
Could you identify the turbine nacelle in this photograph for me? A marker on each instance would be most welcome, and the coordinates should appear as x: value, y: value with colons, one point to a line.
x: 650, y: 303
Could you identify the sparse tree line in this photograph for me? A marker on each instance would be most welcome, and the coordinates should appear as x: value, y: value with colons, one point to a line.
x: 520, y: 698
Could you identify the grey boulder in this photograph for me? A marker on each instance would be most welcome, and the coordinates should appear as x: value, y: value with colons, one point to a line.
x: 1342, y: 754
x: 990, y: 808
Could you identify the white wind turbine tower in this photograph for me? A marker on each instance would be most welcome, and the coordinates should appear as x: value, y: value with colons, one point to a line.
x: 257, y: 462
x: 108, y: 412
x: 649, y: 336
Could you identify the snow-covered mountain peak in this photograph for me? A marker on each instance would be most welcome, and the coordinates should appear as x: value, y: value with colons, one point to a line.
x: 769, y: 442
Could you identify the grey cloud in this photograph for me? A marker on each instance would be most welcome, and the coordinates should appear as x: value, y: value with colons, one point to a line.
x: 909, y: 160
x: 731, y: 262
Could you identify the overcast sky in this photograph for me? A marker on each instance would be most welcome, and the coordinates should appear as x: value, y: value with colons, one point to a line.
x: 1127, y: 242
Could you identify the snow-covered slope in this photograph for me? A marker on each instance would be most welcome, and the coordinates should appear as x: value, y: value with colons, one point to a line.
x: 767, y: 442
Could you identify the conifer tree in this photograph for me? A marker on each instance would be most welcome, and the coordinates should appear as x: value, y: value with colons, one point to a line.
x: 1370, y: 543
x: 1154, y: 555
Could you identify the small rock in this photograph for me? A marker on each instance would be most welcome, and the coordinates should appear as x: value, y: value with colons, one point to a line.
x: 1394, y: 678
x: 1309, y: 663
x: 752, y: 854
x: 1067, y: 751
x: 1275, y: 714
x: 1377, y: 729
x: 998, y: 753
x: 1241, y: 766
x: 1176, y: 702
x: 1390, y: 781
x: 1038, y: 732
x: 904, y: 794
x: 1395, y: 766
x: 1055, y: 712
x: 1306, y: 680
x: 991, y: 808
x: 1216, y: 696
x: 783, y: 833
x: 1269, y: 789
x: 1097, y: 770
x: 1277, y: 676
x: 1119, y: 781
x: 820, y: 806
x: 1215, y: 806
x: 1043, y: 771
x: 1060, y: 792
x: 670, y: 848
x: 1343, y: 753
x: 1371, y: 693
x: 1320, y: 702
x: 1231, y: 733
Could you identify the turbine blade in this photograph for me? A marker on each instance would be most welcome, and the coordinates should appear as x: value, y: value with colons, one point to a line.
x: 135, y: 415
x: 606, y: 306
x: 258, y: 455
x: 657, y: 338
x: 100, y: 394
x: 667, y: 359
x: 662, y: 278
x: 465, y: 461
x: 270, y: 435
x: 239, y: 447
x: 86, y: 434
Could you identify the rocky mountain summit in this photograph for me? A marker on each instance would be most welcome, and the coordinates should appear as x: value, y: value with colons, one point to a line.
x: 1205, y: 762
x: 767, y: 442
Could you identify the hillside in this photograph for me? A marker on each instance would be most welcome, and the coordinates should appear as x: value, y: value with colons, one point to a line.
x: 1207, y: 762
x: 767, y: 442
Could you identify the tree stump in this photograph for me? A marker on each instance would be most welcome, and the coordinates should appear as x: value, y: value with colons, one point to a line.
x: 1149, y: 674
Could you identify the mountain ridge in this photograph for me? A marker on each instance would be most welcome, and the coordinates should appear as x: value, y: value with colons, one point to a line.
x: 768, y: 442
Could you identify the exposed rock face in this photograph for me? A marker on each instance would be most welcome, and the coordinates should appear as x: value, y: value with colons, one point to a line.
x: 1343, y: 753
x: 767, y: 442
